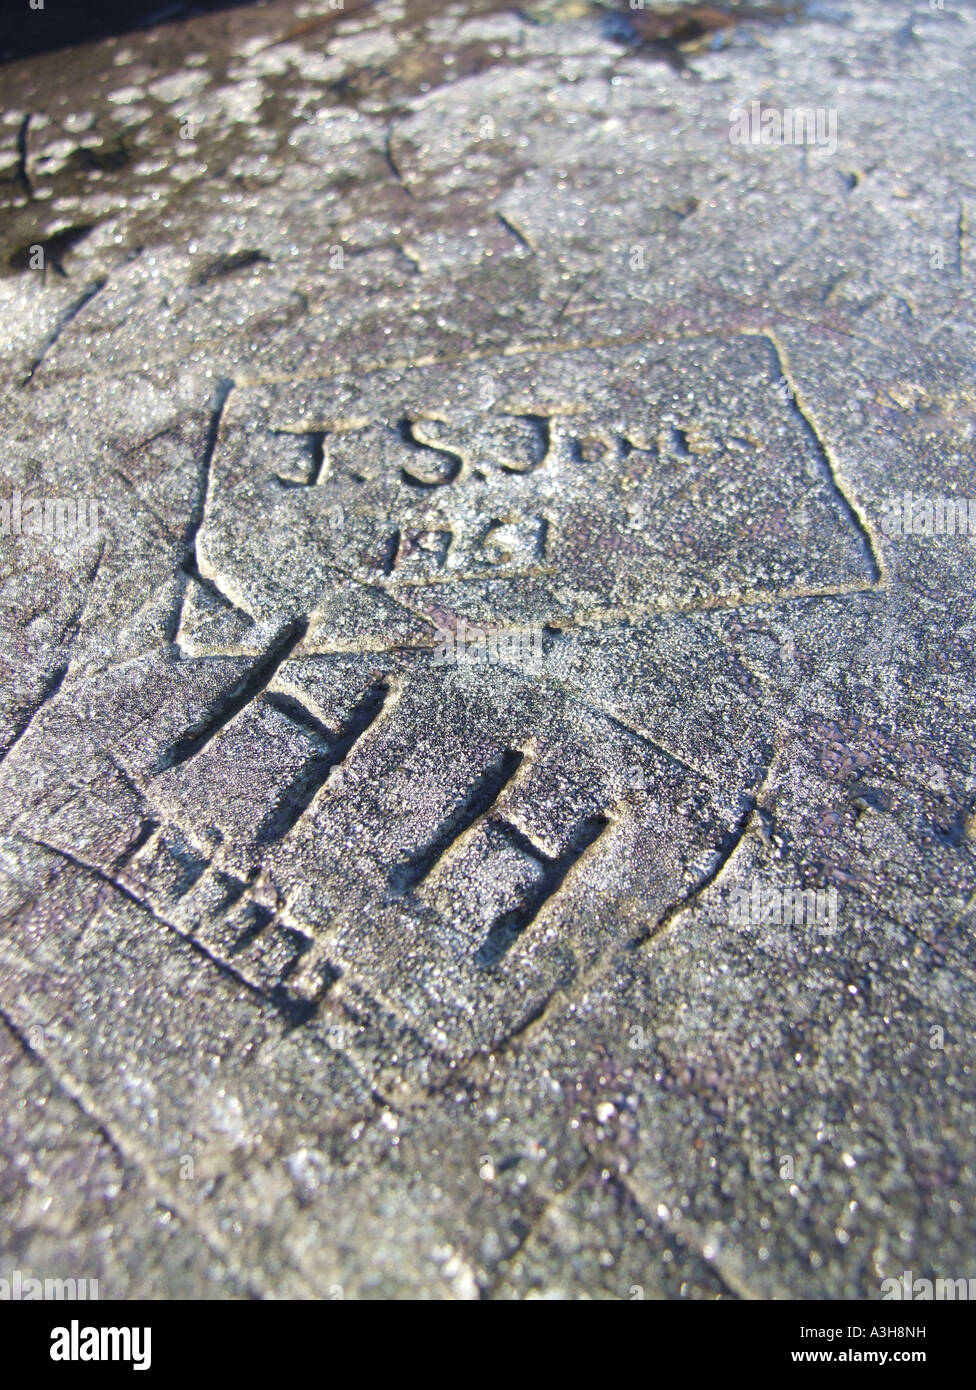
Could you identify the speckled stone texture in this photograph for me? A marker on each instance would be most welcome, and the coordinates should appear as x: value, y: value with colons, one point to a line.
x: 487, y: 795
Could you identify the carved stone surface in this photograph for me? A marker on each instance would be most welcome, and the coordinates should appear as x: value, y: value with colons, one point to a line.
x: 487, y: 780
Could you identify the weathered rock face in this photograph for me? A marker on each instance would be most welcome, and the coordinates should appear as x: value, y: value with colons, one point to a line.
x: 488, y: 771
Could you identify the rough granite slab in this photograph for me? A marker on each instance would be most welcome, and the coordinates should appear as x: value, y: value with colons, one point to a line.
x: 332, y: 965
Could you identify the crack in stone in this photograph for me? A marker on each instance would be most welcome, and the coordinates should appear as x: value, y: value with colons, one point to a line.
x: 134, y: 1157
x: 50, y: 689
x: 66, y: 318
x: 838, y: 484
x: 23, y: 173
x: 394, y: 167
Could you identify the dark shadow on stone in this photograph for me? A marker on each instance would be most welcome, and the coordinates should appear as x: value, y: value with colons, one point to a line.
x: 64, y: 23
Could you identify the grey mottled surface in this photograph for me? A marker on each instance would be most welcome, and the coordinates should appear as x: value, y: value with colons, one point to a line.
x: 326, y: 967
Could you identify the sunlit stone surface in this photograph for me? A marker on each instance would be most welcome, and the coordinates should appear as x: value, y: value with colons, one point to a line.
x: 488, y: 770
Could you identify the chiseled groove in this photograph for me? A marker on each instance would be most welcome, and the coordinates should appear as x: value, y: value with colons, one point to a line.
x: 264, y: 997
x: 190, y: 565
x: 511, y: 924
x: 315, y: 445
x: 196, y: 738
x: 726, y: 849
x: 476, y: 802
x: 455, y: 463
x: 300, y: 794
